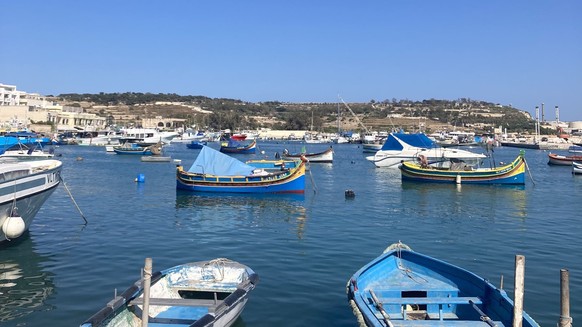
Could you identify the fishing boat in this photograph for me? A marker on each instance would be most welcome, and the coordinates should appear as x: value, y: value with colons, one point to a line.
x: 206, y: 293
x: 402, y: 288
x: 400, y: 147
x: 135, y: 149
x: 196, y: 145
x: 324, y: 156
x: 461, y: 173
x: 213, y: 171
x: 576, y: 167
x: 233, y: 146
x: 560, y: 160
x: 575, y: 149
x: 24, y: 187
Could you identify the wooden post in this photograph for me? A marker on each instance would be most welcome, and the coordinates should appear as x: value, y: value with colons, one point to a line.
x: 565, y: 319
x: 519, y: 291
x: 147, y: 278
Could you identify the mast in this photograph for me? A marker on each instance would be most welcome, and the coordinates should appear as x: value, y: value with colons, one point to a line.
x: 355, y: 116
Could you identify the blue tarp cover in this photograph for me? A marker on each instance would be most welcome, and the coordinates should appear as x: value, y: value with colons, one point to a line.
x: 210, y: 161
x: 417, y: 140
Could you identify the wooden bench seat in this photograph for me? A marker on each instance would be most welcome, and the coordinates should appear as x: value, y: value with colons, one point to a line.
x: 444, y: 323
x: 429, y: 300
x: 178, y: 302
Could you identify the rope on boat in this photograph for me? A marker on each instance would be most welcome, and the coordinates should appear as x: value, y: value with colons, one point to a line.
x: 73, y: 199
x: 529, y: 171
x: 355, y: 309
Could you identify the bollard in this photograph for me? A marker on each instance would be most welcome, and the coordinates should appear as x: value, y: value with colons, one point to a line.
x: 147, y: 278
x: 565, y: 319
x: 519, y: 291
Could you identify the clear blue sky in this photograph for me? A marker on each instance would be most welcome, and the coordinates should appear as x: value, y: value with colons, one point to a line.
x: 519, y: 52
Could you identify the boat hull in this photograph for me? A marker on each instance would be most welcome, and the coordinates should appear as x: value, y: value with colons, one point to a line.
x: 30, y: 192
x: 248, y: 149
x: 415, y: 289
x: 558, y: 160
x: 323, y: 157
x: 512, y: 174
x: 576, y: 168
x: 291, y: 181
x: 208, y: 293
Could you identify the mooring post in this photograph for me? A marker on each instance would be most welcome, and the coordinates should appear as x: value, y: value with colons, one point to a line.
x: 518, y: 291
x: 147, y: 278
x: 565, y: 319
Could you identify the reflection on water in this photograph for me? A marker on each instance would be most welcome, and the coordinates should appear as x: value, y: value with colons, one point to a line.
x: 509, y: 199
x: 24, y: 287
x: 230, y: 208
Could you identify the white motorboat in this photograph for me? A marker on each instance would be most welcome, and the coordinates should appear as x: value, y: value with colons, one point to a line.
x: 146, y: 136
x: 27, y: 152
x: 24, y: 187
x: 400, y: 147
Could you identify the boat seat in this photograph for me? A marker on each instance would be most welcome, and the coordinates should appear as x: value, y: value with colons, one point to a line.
x: 429, y: 300
x: 454, y: 323
x: 178, y: 302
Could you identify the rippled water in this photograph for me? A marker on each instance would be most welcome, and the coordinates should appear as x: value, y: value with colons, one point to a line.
x: 304, y: 247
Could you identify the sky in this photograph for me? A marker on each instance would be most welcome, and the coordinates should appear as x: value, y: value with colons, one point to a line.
x: 521, y: 53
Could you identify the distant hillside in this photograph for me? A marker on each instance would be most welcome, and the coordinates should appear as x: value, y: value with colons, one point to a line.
x: 219, y: 113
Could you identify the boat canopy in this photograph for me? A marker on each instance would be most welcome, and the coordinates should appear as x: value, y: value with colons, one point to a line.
x: 418, y: 140
x: 212, y: 162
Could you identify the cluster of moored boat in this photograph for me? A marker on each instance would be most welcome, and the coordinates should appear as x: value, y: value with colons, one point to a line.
x: 399, y: 288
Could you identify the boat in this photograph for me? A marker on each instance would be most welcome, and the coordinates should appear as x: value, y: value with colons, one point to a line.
x: 461, y: 173
x: 197, y: 294
x: 575, y: 149
x: 324, y: 156
x: 576, y: 167
x: 213, y: 171
x: 135, y: 149
x: 27, y: 152
x: 24, y: 187
x: 189, y: 136
x: 98, y: 138
x: 196, y: 144
x: 402, y: 288
x: 233, y: 146
x: 146, y: 136
x: 400, y: 147
x: 155, y: 159
x: 560, y: 160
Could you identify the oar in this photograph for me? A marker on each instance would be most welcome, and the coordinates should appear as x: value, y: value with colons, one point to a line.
x: 380, y: 307
x: 73, y: 199
x: 484, y: 317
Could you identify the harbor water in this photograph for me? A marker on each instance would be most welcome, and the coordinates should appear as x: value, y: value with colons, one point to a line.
x: 304, y: 247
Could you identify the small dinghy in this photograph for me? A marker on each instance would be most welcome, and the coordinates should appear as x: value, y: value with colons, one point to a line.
x: 403, y: 288
x: 206, y: 293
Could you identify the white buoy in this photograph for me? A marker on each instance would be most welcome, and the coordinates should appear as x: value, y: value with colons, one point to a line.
x: 13, y: 227
x: 458, y: 179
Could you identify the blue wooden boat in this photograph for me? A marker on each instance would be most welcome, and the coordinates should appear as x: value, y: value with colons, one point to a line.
x: 459, y: 173
x: 575, y: 149
x: 213, y: 171
x: 233, y: 146
x: 402, y: 288
x: 196, y: 144
x: 205, y: 293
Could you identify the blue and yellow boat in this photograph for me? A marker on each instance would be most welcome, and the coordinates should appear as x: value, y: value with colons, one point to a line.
x: 213, y: 171
x: 233, y: 146
x: 459, y: 173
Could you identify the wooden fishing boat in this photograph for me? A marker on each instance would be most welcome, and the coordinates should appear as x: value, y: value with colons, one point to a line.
x: 325, y: 156
x: 232, y: 146
x: 576, y: 167
x: 575, y: 149
x: 556, y: 159
x: 213, y: 171
x: 402, y: 288
x: 206, y: 293
x: 459, y: 173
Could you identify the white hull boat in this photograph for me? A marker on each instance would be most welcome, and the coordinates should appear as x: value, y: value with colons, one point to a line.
x: 24, y: 187
x: 401, y: 147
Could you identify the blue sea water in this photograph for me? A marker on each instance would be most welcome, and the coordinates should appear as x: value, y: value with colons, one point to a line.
x: 304, y: 247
